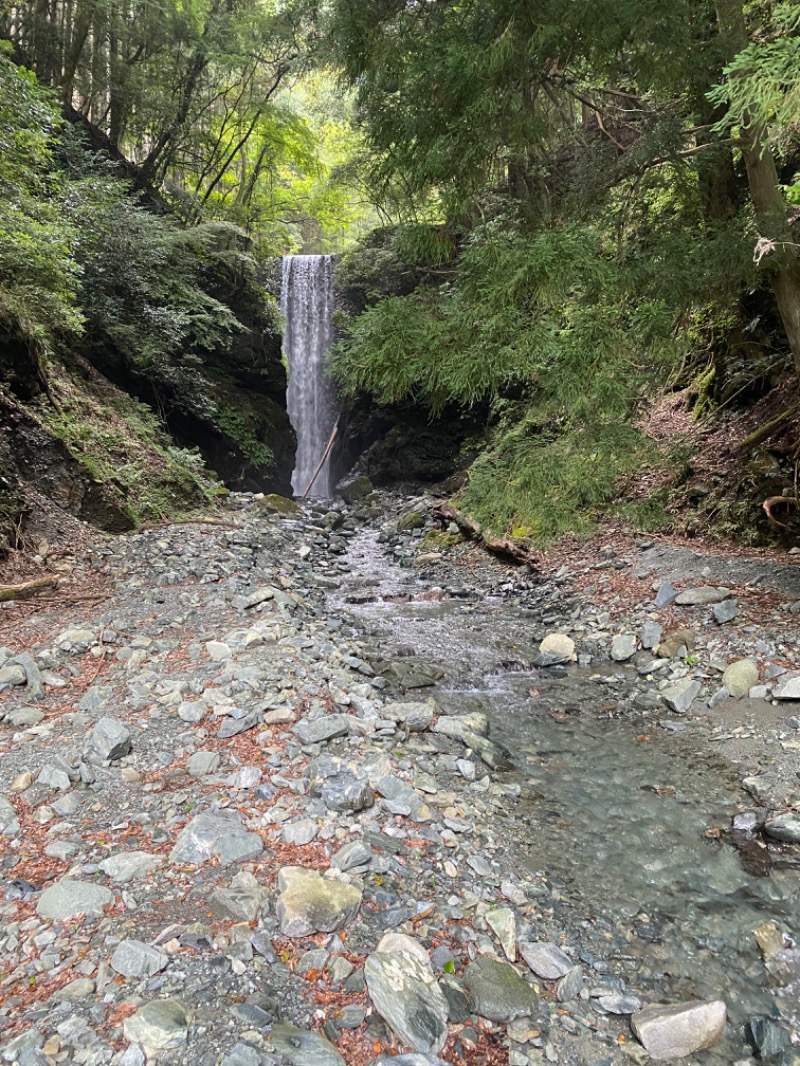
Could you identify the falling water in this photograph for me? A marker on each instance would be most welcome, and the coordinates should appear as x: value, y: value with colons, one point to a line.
x: 306, y: 304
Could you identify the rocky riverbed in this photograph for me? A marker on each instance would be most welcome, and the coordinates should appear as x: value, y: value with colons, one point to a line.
x: 325, y: 786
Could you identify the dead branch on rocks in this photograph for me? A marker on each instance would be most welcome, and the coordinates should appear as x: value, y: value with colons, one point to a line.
x: 500, y: 546
x: 772, y: 502
x: 27, y: 589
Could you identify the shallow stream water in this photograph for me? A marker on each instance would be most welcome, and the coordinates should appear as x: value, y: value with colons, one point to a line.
x: 619, y: 817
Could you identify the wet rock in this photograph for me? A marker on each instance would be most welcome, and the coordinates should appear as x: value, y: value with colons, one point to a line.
x: 680, y: 696
x: 785, y: 827
x: 68, y: 898
x: 411, y: 673
x: 403, y: 988
x: 673, y: 1032
x: 557, y: 648
x: 766, y: 1038
x: 299, y: 1047
x: 318, y: 730
x: 546, y: 960
x: 111, y: 739
x: 158, y: 1026
x: 623, y: 647
x: 740, y: 677
x: 132, y: 958
x: 702, y: 596
x: 215, y: 835
x: 309, y: 903
x: 128, y: 866
x: 498, y: 991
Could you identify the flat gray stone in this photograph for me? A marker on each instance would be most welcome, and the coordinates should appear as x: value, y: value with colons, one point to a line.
x: 242, y: 900
x: 300, y: 832
x: 413, y: 1058
x: 546, y: 960
x: 415, y: 717
x: 404, y: 991
x: 158, y: 1026
x: 665, y: 595
x: 740, y: 677
x: 111, y: 739
x: 784, y: 827
x: 680, y: 696
x: 318, y: 730
x: 133, y: 958
x: 351, y: 855
x: 300, y: 1047
x: 309, y: 903
x: 8, y: 812
x: 75, y: 991
x: 410, y: 673
x: 620, y: 1003
x: 725, y: 611
x: 623, y: 647
x: 342, y: 785
x: 570, y: 986
x: 702, y: 596
x: 498, y: 991
x: 503, y: 924
x: 11, y: 675
x: 673, y: 1032
x: 67, y: 899
x: 788, y: 689
x: 650, y: 634
x: 33, y: 675
x: 128, y: 866
x: 202, y: 763
x: 215, y: 835
x: 23, y: 717
x: 242, y: 1055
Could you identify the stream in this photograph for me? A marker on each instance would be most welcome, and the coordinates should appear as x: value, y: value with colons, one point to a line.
x: 622, y: 823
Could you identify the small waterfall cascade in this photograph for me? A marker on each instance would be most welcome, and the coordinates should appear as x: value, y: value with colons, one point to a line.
x: 306, y: 305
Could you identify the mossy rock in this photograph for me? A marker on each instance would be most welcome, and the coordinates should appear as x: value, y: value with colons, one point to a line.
x: 356, y: 489
x: 410, y: 520
x: 276, y: 504
x: 436, y: 539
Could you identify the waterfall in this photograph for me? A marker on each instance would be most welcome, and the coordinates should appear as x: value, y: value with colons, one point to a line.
x: 306, y: 304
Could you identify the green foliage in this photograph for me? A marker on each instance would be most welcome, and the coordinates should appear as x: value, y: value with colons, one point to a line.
x: 38, y: 272
x: 122, y: 445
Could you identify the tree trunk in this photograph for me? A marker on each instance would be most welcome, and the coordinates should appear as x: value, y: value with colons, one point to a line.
x: 768, y: 201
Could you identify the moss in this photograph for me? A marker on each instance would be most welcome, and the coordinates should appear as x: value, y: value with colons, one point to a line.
x: 436, y: 539
x: 235, y: 426
x: 121, y: 445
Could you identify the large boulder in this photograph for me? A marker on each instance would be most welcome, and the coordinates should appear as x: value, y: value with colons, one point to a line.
x: 403, y: 988
x: 673, y: 1032
x: 310, y: 903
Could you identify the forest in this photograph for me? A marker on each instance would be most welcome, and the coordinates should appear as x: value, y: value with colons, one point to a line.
x: 572, y: 222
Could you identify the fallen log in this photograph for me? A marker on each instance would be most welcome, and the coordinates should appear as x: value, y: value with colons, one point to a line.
x: 27, y: 589
x: 501, y: 546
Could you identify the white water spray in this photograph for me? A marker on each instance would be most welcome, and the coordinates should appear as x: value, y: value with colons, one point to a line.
x: 306, y: 304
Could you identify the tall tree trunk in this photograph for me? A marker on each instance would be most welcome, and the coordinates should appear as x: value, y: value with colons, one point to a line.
x: 765, y: 192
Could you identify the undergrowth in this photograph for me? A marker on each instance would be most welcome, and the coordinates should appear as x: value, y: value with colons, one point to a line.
x: 121, y: 444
